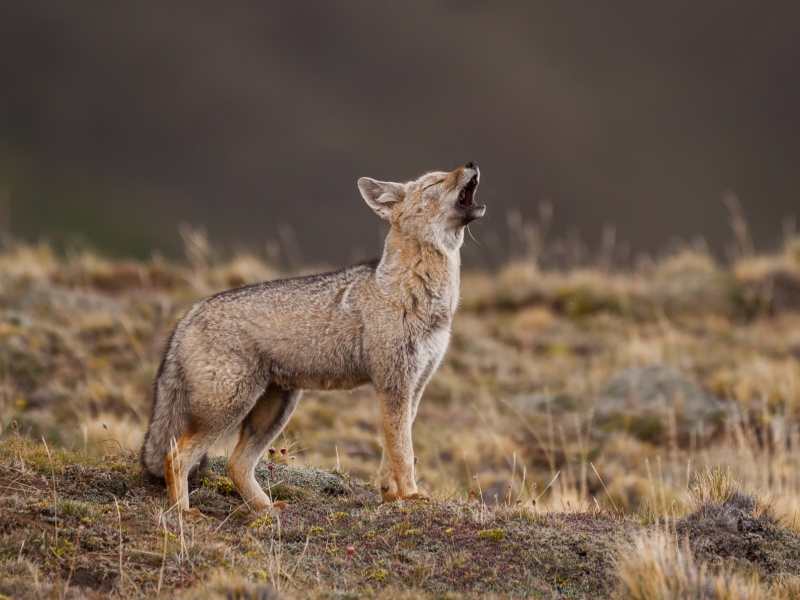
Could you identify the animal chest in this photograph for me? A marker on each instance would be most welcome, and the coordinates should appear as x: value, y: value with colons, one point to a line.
x: 433, y: 336
x: 431, y: 348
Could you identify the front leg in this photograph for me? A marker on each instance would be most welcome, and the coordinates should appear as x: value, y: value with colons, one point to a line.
x: 396, y: 475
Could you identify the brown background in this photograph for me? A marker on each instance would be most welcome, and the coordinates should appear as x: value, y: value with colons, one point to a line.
x: 120, y: 120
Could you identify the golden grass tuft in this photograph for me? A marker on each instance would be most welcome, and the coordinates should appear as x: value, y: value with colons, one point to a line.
x: 658, y: 567
x: 715, y: 485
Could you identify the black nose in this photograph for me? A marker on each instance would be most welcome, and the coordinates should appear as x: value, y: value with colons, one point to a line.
x: 471, y: 165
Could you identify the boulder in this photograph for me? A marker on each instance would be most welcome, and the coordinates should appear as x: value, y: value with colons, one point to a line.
x: 643, y: 400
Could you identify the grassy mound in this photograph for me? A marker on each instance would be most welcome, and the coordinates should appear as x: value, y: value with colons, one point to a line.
x: 75, y: 525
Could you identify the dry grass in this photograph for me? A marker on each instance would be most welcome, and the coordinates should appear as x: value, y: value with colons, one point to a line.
x: 523, y: 388
x: 658, y: 567
x: 713, y: 485
x: 718, y: 486
x: 82, y: 338
x: 661, y: 564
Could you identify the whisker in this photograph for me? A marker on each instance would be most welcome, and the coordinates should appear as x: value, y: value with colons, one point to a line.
x: 472, y: 236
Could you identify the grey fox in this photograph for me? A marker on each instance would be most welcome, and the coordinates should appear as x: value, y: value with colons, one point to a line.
x: 243, y: 357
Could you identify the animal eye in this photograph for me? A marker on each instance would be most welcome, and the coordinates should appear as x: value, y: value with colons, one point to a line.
x: 432, y: 184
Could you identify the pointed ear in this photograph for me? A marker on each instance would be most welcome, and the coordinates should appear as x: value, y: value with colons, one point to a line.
x: 381, y: 196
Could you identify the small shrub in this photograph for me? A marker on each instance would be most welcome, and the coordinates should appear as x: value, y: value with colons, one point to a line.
x: 262, y: 522
x: 218, y: 483
x: 717, y: 486
x: 376, y: 573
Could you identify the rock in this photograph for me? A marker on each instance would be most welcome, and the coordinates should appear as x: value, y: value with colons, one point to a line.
x: 643, y: 399
x: 307, y: 479
x: 45, y: 296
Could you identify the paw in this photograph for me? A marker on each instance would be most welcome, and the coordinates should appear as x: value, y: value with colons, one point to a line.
x: 389, y: 492
x: 388, y: 497
x: 393, y: 497
x: 277, y: 505
x: 417, y: 496
x: 193, y: 513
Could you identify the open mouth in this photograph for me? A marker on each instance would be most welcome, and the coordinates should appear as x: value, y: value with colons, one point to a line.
x: 468, y: 192
x: 466, y: 208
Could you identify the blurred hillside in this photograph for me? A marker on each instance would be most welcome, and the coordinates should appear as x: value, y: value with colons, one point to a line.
x: 119, y: 121
x: 547, y: 369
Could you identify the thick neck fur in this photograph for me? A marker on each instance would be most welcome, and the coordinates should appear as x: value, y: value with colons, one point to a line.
x: 422, y: 277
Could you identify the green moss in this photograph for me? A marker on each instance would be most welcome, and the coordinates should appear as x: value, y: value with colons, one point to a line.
x: 262, y: 522
x: 218, y: 483
x: 493, y: 534
x: 376, y: 573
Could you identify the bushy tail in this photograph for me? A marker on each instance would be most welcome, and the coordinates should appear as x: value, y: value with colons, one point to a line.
x: 169, y: 416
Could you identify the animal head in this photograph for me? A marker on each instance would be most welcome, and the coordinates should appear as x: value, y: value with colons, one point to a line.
x: 434, y: 207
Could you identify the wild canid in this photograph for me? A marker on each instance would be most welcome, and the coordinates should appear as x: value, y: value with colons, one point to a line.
x: 243, y: 357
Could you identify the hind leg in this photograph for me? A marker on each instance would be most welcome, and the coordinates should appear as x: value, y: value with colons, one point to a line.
x: 259, y: 428
x: 183, y: 457
x: 203, y: 430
